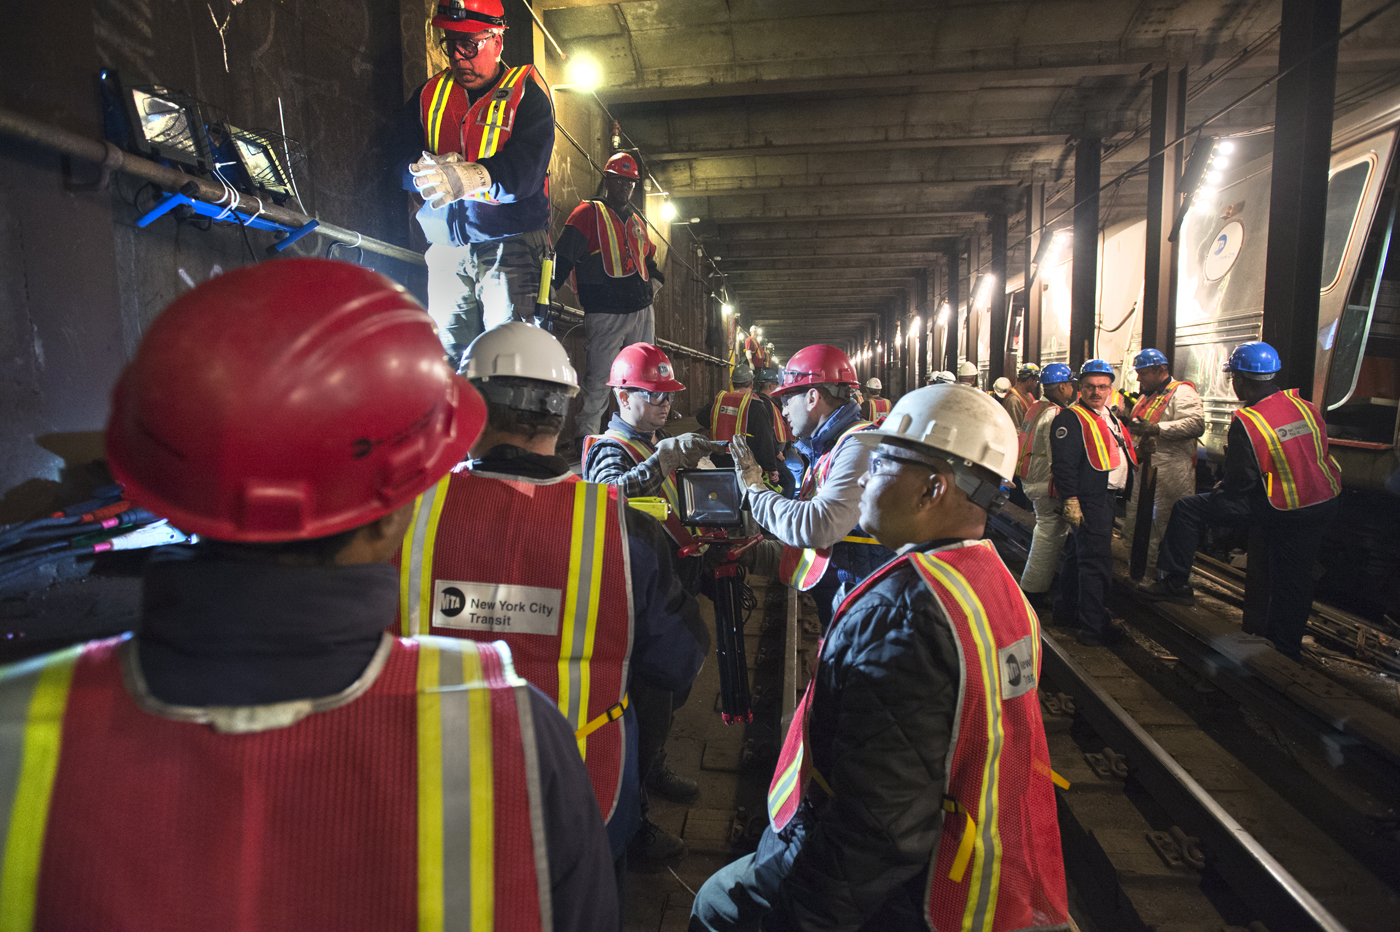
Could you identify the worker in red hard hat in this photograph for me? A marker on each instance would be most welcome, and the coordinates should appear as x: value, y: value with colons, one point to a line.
x: 637, y: 455
x: 474, y: 143
x: 823, y: 545
x: 289, y: 414
x: 606, y: 253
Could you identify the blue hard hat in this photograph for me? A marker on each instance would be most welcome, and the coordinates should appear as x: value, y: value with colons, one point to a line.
x: 1056, y: 373
x: 1149, y: 357
x: 1254, y: 360
x: 1096, y: 367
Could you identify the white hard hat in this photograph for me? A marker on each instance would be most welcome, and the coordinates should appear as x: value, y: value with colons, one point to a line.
x: 874, y: 383
x: 943, y: 375
x: 523, y: 351
x: 966, y: 368
x: 1001, y: 386
x: 961, y: 424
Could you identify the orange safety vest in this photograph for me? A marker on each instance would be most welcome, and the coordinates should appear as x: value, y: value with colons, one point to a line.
x: 782, y: 430
x: 1100, y: 444
x: 1150, y: 408
x: 1025, y: 431
x: 542, y: 566
x: 405, y: 800
x: 729, y: 415
x: 624, y: 247
x: 803, y: 567
x: 879, y: 407
x: 1290, y: 445
x: 452, y: 123
x: 997, y: 865
x: 640, y: 451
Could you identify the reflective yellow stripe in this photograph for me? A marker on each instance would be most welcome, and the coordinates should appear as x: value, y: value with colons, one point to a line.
x: 1318, y: 442
x: 570, y: 619
x: 640, y: 453
x: 1280, y: 462
x: 437, y: 110
x: 483, y: 789
x: 1090, y: 423
x: 416, y: 561
x: 785, y: 786
x: 430, y: 904
x: 606, y: 231
x: 965, y: 844
x: 851, y: 539
x: 495, y: 114
x: 612, y: 715
x: 29, y: 813
x: 595, y: 588
x: 406, y: 571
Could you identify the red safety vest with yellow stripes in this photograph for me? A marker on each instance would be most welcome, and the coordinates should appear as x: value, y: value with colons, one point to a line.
x: 729, y: 415
x: 879, y: 408
x: 1100, y: 444
x: 452, y: 123
x: 782, y: 430
x: 997, y: 865
x: 542, y: 566
x: 405, y: 802
x: 803, y: 567
x: 640, y: 451
x: 1290, y: 445
x: 1026, y: 435
x: 1150, y: 408
x: 622, y: 245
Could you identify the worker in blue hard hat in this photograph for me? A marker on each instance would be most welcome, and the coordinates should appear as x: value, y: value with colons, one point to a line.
x: 1166, y: 422
x: 1033, y: 470
x: 1092, y: 458
x: 1278, y: 476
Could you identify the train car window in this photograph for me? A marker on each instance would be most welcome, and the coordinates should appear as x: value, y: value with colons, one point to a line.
x: 1344, y: 193
x: 1363, y: 355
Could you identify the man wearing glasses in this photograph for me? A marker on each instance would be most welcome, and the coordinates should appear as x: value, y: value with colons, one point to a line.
x: 475, y: 143
x: 914, y: 788
x: 1091, y: 458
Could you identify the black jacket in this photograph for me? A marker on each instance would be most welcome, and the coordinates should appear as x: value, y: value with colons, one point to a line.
x: 1074, y: 477
x: 881, y: 721
x: 599, y: 292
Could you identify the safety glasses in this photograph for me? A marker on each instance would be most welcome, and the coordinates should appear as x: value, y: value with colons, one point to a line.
x: 884, y: 461
x: 467, y: 47
x: 656, y: 398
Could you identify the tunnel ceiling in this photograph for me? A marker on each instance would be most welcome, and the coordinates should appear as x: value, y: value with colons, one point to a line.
x: 832, y: 152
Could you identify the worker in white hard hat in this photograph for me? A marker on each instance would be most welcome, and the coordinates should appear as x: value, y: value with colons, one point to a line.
x: 1000, y: 388
x: 875, y: 406
x: 515, y: 519
x: 887, y: 764
x: 942, y: 377
x: 967, y: 373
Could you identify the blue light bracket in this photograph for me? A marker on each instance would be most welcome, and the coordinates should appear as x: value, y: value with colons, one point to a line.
x: 224, y: 215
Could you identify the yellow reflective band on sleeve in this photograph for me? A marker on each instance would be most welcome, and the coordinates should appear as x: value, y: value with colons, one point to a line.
x: 437, y: 111
x: 33, y: 790
x: 611, y: 715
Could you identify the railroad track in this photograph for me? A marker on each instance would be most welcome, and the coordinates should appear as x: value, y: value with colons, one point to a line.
x: 1218, y: 838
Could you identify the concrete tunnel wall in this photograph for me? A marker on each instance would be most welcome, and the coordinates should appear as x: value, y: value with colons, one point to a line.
x: 79, y: 282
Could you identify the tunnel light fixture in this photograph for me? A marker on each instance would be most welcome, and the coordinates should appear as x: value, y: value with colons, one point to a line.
x: 1225, y: 146
x: 943, y: 313
x: 582, y: 74
x: 1202, y: 154
x: 726, y: 309
x: 158, y: 123
x: 262, y: 172
x: 668, y: 211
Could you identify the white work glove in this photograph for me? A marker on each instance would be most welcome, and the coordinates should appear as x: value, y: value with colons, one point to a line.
x: 683, y: 452
x: 443, y: 179
x: 749, y: 472
x: 1074, y: 515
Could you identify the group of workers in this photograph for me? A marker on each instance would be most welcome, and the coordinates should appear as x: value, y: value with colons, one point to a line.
x: 418, y: 674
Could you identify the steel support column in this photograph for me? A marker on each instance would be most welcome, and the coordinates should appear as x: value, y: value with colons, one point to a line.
x: 997, y: 358
x: 1084, y: 284
x: 950, y: 349
x: 1035, y: 216
x: 1298, y: 197
x: 1159, y: 270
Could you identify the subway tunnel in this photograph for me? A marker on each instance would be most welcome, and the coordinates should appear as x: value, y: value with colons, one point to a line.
x: 926, y: 187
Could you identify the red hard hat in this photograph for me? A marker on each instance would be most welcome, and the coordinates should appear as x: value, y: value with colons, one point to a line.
x: 288, y: 400
x: 642, y: 365
x: 622, y: 164
x: 470, y: 15
x: 817, y: 365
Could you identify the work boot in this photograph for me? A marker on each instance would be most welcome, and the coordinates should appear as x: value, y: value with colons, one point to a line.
x: 663, y: 781
x: 1165, y: 591
x: 653, y: 849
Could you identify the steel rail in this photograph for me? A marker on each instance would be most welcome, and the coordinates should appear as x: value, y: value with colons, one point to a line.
x: 1231, y: 851
x: 110, y: 158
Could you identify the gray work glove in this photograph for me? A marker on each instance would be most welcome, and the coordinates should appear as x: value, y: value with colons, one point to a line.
x: 749, y: 472
x: 444, y: 179
x: 683, y: 452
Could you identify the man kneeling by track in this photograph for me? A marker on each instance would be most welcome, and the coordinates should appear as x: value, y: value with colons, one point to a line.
x: 930, y: 802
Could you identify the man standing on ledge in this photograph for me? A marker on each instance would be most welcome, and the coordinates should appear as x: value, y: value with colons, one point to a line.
x: 606, y: 247
x: 475, y: 143
x: 1278, y: 476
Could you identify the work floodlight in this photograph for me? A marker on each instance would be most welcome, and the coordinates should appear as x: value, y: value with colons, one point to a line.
x: 259, y: 167
x: 159, y: 123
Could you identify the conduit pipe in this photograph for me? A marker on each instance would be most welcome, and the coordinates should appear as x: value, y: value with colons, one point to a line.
x: 110, y: 158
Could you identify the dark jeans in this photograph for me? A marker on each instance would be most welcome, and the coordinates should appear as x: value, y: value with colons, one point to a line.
x: 1088, y: 567
x: 1293, y: 538
x: 733, y: 899
x: 656, y: 711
